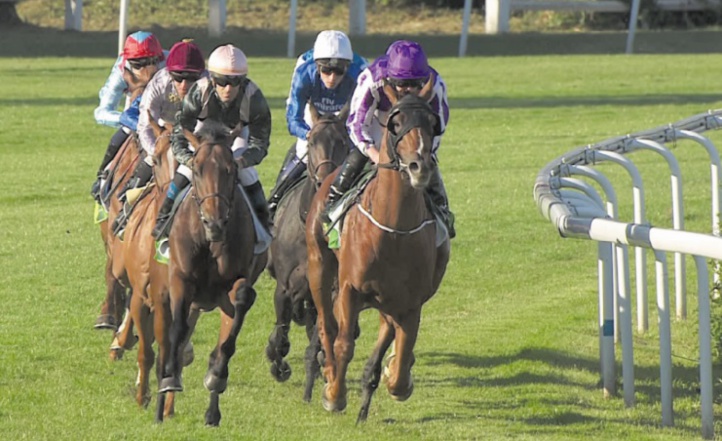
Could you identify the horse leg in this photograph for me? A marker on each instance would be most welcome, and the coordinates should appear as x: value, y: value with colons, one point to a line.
x: 235, y: 307
x: 313, y: 366
x: 372, y: 370
x: 179, y: 308
x: 114, y: 300
x: 346, y: 309
x: 141, y: 315
x: 123, y: 340
x: 322, y: 271
x: 400, y: 383
x: 162, y: 319
x: 278, y: 344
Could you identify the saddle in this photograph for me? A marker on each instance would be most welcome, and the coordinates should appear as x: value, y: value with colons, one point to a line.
x: 162, y: 248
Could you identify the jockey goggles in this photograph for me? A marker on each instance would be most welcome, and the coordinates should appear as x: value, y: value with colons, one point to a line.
x: 225, y: 80
x: 179, y: 77
x: 328, y: 70
x: 417, y: 83
x: 139, y: 63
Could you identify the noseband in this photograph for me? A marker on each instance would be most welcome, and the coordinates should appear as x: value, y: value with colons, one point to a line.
x: 417, y: 112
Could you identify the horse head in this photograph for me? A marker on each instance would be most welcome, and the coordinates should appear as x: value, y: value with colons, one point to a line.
x: 214, y: 178
x: 410, y: 129
x: 328, y: 143
x: 164, y: 163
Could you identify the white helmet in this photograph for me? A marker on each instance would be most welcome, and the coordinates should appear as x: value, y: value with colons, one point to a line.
x: 332, y: 44
x: 228, y: 60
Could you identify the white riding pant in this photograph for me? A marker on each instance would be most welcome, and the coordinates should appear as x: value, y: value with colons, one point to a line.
x: 247, y: 175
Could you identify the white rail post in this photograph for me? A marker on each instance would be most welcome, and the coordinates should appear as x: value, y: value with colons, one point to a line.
x: 640, y: 256
x: 216, y: 18
x: 665, y: 338
x: 122, y: 24
x: 705, y: 348
x: 465, y: 28
x: 496, y: 20
x: 680, y: 271
x: 291, y: 48
x: 74, y: 15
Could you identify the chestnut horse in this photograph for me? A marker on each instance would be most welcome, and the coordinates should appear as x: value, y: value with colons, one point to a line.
x: 212, y: 262
x: 388, y: 258
x: 114, y: 304
x: 150, y: 301
x: 328, y: 145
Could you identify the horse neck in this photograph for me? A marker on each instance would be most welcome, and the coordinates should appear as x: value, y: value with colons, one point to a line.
x: 394, y: 202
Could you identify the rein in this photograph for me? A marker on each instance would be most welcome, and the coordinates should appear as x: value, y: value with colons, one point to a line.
x: 199, y: 200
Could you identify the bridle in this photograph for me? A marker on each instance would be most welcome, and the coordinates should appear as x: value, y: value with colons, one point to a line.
x: 225, y: 199
x: 315, y: 168
x: 417, y: 111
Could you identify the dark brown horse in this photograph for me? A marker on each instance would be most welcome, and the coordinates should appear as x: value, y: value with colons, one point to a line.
x: 388, y: 258
x: 328, y: 145
x: 212, y: 262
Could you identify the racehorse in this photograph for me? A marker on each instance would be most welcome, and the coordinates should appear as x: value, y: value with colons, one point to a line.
x: 212, y: 262
x: 388, y: 258
x: 328, y: 145
x: 116, y: 282
x: 150, y: 301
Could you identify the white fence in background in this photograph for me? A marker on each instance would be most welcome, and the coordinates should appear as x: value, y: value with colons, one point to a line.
x: 577, y: 210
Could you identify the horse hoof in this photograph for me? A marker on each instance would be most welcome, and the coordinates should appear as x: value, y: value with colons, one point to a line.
x: 332, y: 406
x: 214, y: 383
x: 106, y: 321
x: 281, y: 372
x: 116, y: 354
x: 188, y: 354
x: 170, y: 384
x: 405, y: 396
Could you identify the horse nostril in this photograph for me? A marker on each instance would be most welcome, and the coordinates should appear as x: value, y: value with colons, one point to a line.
x: 414, y: 167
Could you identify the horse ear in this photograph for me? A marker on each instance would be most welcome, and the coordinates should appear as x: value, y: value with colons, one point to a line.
x: 428, y: 88
x: 345, y: 110
x: 390, y: 93
x: 314, y: 112
x: 236, y: 131
x: 157, y: 129
x: 195, y: 142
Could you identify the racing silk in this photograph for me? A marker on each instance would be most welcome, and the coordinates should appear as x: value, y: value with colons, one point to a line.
x: 129, y: 117
x: 161, y: 99
x: 306, y: 86
x: 249, y: 108
x: 114, y: 89
x: 370, y: 106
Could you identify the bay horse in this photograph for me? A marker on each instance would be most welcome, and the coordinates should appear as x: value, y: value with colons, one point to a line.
x: 212, y: 262
x: 328, y: 145
x: 388, y: 258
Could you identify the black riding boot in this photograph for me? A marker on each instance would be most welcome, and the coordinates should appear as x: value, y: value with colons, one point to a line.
x: 141, y: 175
x: 179, y: 183
x: 350, y: 171
x: 290, y: 173
x: 258, y: 202
x: 116, y: 141
x: 437, y: 194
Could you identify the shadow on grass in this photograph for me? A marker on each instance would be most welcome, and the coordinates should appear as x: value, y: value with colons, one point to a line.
x: 32, y: 41
x: 647, y: 390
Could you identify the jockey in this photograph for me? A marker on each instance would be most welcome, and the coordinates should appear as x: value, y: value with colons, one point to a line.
x: 406, y: 68
x: 230, y: 98
x: 326, y: 76
x: 162, y: 99
x: 142, y: 56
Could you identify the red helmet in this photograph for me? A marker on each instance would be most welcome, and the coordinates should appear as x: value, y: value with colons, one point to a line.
x: 142, y: 45
x: 185, y: 56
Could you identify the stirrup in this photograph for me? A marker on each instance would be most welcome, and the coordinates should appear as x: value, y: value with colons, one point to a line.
x: 159, y: 227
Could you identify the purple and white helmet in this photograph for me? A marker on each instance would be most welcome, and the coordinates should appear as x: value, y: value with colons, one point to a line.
x: 406, y: 61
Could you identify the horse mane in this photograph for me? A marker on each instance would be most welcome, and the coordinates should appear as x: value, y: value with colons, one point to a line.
x: 214, y: 132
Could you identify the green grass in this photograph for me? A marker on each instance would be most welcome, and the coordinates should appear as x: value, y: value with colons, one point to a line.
x: 508, y: 348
